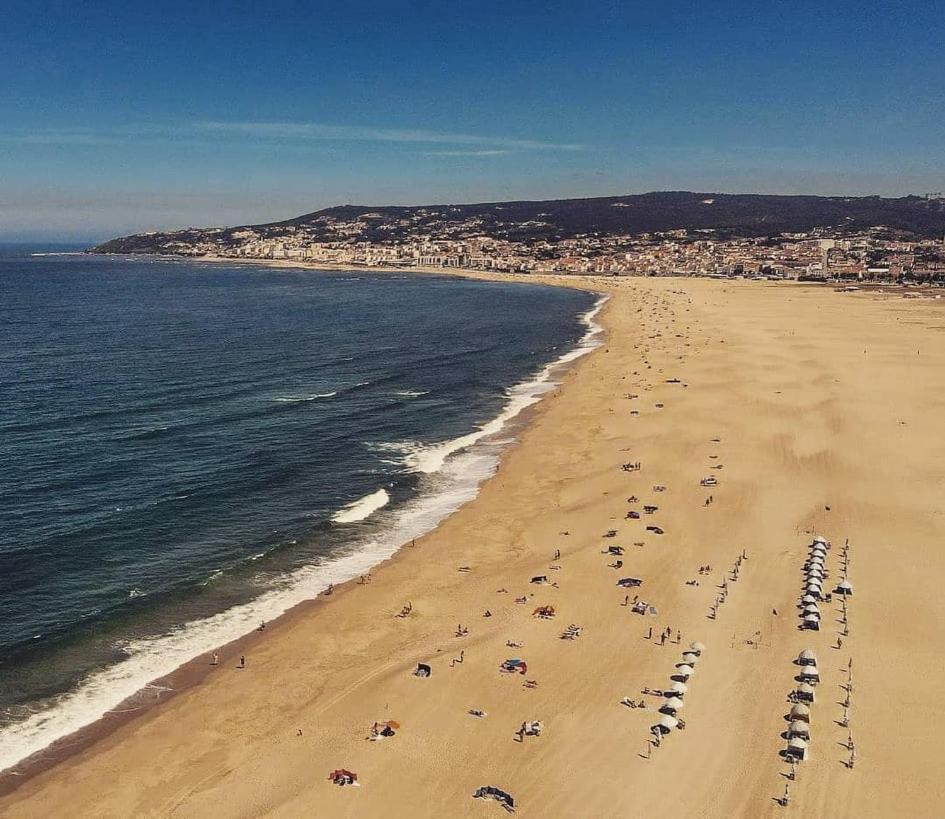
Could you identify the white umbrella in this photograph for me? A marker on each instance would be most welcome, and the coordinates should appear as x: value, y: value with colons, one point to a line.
x: 678, y: 688
x: 797, y: 747
x: 805, y: 692
x: 684, y: 670
x: 810, y: 672
x: 844, y: 587
x: 689, y: 658
x: 673, y: 704
x: 697, y: 648
x: 807, y: 657
x: 822, y: 540
x: 808, y: 598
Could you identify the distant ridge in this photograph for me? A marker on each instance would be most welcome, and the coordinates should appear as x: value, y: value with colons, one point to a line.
x: 729, y: 215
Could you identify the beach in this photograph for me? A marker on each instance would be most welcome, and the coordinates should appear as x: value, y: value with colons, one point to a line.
x: 813, y: 412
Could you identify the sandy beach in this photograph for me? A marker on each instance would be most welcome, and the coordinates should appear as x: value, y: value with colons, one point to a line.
x: 815, y: 412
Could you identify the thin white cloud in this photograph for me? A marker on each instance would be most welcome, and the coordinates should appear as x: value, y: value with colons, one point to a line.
x: 356, y: 133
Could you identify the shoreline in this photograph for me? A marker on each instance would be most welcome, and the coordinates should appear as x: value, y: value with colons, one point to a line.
x: 195, y: 670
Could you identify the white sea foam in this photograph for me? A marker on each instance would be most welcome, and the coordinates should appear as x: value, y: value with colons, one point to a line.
x: 362, y: 508
x: 453, y: 471
x: 411, y: 393
x: 292, y: 399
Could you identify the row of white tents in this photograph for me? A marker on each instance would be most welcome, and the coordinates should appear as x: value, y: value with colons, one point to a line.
x: 798, y: 732
x: 815, y: 572
x: 674, y: 694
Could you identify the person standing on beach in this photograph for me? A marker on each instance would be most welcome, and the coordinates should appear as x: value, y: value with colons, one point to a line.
x: 242, y: 661
x: 216, y: 659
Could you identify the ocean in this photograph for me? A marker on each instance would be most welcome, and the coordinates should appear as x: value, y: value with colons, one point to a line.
x: 189, y: 449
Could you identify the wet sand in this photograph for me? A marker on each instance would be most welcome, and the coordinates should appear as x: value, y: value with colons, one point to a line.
x: 828, y: 410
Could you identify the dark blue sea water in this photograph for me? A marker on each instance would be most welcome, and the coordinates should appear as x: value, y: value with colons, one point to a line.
x: 188, y: 448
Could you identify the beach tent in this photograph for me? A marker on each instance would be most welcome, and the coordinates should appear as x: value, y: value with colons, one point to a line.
x: 815, y: 571
x: 804, y: 693
x: 677, y: 689
x: 666, y: 724
x: 799, y: 728
x: 689, y: 658
x: 822, y: 541
x: 812, y: 608
x: 697, y: 648
x: 800, y: 712
x: 815, y: 589
x: 671, y: 706
x: 844, y: 587
x: 797, y: 748
x: 812, y: 622
x: 809, y: 673
x: 423, y: 670
x: 541, y: 578
x: 807, y: 657
x: 684, y: 670
x: 817, y: 557
x: 808, y: 598
x: 513, y: 665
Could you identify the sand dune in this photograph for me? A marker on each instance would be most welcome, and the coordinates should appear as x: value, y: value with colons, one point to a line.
x: 828, y: 413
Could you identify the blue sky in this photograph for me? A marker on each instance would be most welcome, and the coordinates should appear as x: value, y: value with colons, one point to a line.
x: 119, y: 117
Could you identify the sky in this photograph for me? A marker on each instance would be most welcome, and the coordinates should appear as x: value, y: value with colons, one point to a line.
x: 124, y: 117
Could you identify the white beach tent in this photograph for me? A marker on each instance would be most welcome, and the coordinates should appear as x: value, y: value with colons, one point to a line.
x: 684, y: 670
x: 689, y: 658
x: 666, y: 723
x: 822, y: 540
x: 812, y: 608
x: 812, y: 622
x: 808, y: 598
x: 809, y: 673
x: 799, y: 728
x: 677, y: 689
x: 844, y: 587
x: 672, y: 705
x: 797, y: 748
x: 807, y: 657
x: 697, y: 648
x: 804, y: 693
x: 815, y: 571
x: 800, y: 711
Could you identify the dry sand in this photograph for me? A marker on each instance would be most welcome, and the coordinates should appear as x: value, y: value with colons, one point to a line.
x: 819, y: 400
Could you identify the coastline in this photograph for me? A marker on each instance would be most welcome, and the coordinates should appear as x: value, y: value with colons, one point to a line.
x: 807, y: 393
x: 192, y: 671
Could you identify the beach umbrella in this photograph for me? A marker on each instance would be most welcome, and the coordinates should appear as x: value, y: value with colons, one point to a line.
x: 807, y: 657
x: 697, y: 648
x: 800, y: 712
x: 805, y: 692
x: 684, y: 670
x: 678, y: 689
x: 666, y: 723
x: 844, y: 587
x: 672, y: 704
x: 799, y: 729
x: 822, y: 541
x: 810, y: 672
x: 689, y: 658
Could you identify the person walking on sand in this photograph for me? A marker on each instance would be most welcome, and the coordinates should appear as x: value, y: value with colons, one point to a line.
x: 242, y: 661
x: 663, y: 639
x: 649, y: 634
x: 216, y: 659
